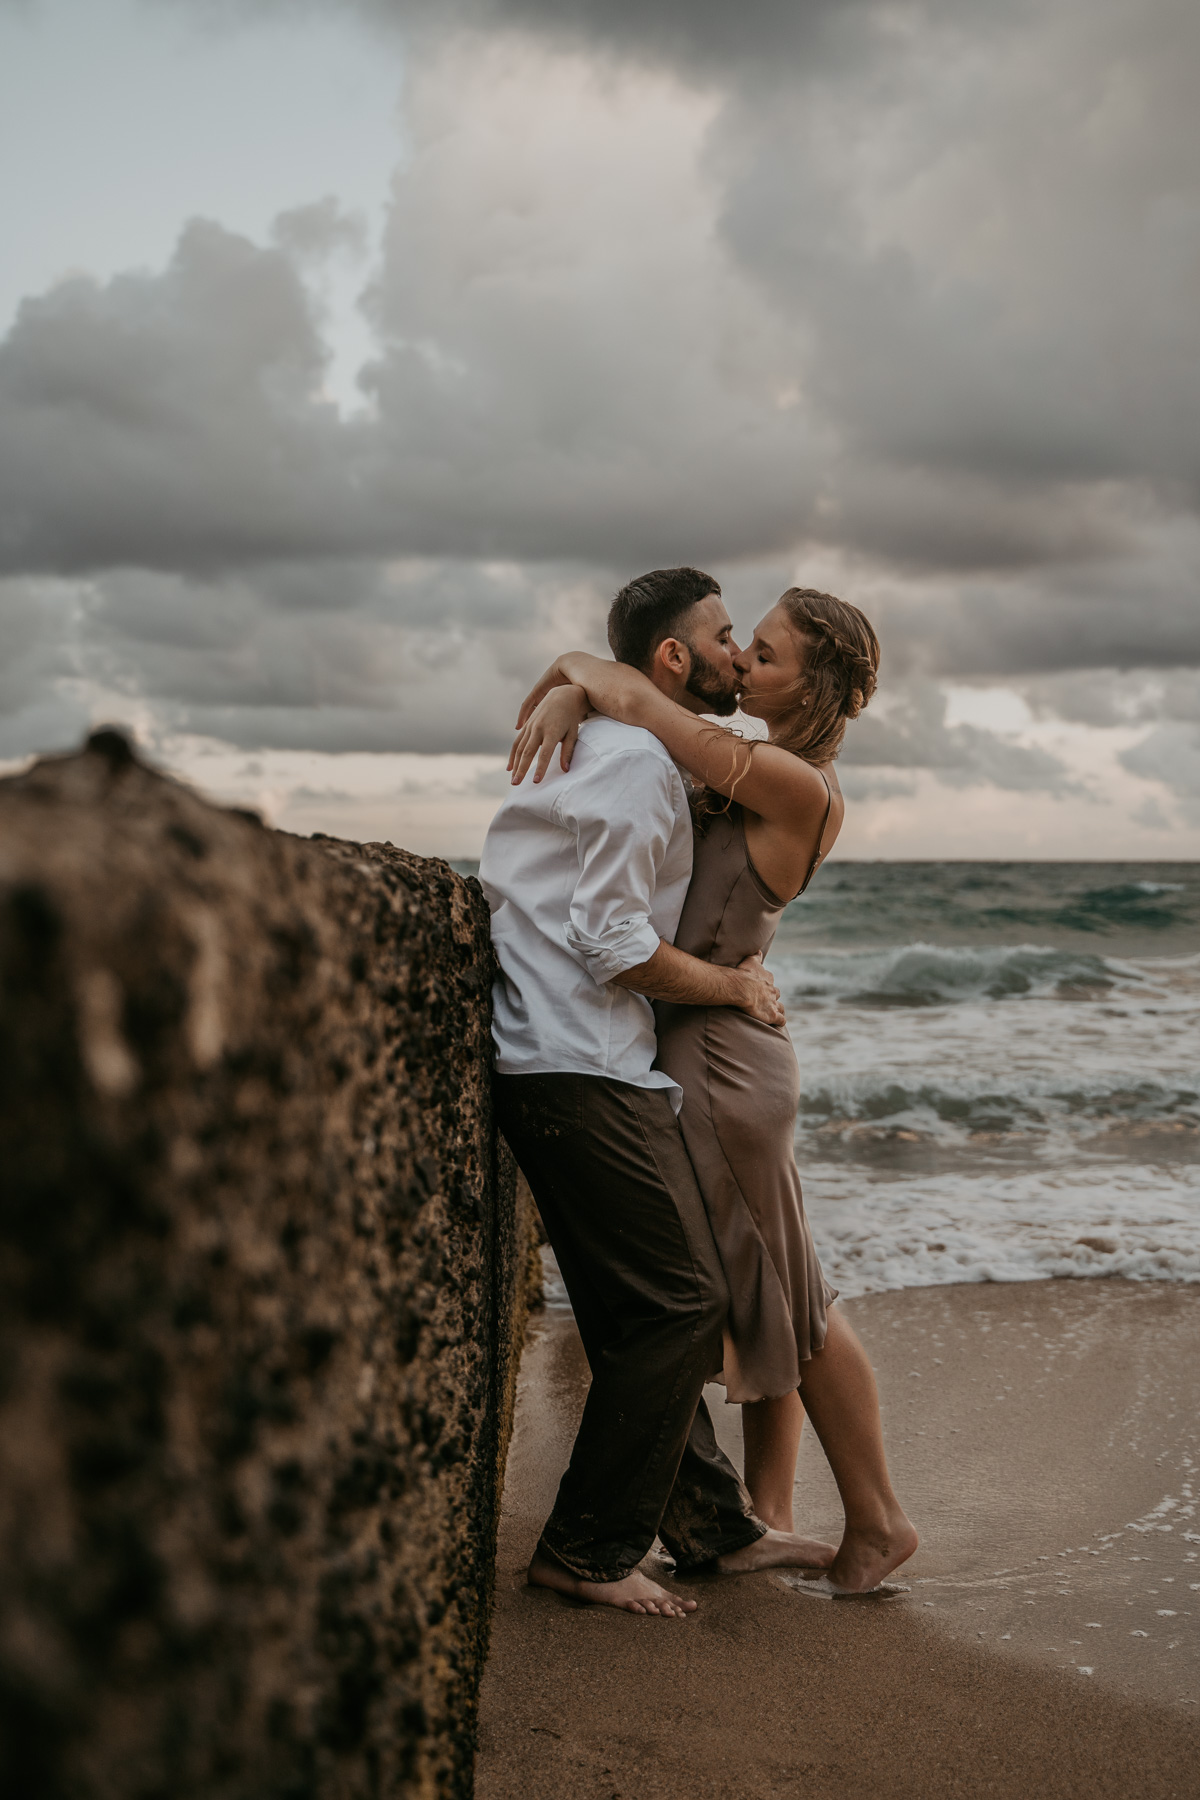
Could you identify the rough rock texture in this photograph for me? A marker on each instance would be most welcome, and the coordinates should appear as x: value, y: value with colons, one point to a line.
x: 263, y: 1273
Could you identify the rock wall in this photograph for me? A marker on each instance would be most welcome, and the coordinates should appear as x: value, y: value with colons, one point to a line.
x: 263, y: 1272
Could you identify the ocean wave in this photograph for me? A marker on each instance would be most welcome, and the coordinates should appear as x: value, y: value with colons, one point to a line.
x: 1132, y: 907
x: 1143, y: 905
x: 938, y: 1108
x: 923, y: 974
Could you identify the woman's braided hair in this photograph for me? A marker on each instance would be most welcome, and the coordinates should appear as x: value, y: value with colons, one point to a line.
x: 839, y: 677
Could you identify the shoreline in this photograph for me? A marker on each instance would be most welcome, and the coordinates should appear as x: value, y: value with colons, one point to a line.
x: 1045, y: 1437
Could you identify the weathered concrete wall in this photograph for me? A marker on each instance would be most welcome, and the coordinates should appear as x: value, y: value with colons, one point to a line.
x: 262, y: 1291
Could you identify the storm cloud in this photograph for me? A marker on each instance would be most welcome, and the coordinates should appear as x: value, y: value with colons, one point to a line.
x: 904, y: 295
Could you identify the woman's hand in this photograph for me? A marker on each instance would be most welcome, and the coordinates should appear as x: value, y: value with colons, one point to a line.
x: 554, y: 720
x: 545, y: 684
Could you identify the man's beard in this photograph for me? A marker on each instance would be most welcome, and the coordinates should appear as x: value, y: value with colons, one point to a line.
x: 718, y: 692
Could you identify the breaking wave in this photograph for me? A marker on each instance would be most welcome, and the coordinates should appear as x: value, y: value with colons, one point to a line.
x: 942, y: 975
x: 1134, y: 908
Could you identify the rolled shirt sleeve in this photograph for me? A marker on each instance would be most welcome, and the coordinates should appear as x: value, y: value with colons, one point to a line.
x: 622, y: 814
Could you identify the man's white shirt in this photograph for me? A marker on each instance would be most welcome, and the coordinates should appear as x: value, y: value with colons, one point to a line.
x: 585, y: 873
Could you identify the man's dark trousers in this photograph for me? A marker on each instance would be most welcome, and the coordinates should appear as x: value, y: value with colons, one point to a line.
x: 619, y: 1200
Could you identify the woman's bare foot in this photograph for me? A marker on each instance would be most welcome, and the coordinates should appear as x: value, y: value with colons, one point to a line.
x: 635, y: 1593
x: 867, y: 1557
x: 777, y: 1550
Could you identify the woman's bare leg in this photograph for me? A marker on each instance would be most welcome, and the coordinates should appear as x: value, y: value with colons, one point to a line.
x: 771, y: 1435
x: 842, y: 1401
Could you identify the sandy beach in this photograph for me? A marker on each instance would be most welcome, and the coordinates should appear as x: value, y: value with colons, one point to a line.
x: 1045, y: 1437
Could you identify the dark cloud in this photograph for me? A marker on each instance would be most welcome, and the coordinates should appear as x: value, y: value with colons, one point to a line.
x: 40, y: 708
x: 174, y: 420
x: 993, y: 242
x: 912, y: 733
x: 909, y: 288
x: 1137, y: 611
x: 338, y: 655
x: 321, y: 229
x: 941, y: 364
x: 960, y: 249
x: 1170, y: 754
x: 875, y: 784
x: 179, y: 421
x: 1112, y: 697
x: 697, y: 35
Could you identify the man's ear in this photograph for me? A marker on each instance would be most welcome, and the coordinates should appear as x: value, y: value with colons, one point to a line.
x: 670, y: 666
x: 674, y: 657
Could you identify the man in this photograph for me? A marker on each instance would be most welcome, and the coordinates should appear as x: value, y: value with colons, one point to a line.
x: 586, y: 875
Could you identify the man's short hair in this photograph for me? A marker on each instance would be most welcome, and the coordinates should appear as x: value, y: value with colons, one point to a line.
x: 652, y: 608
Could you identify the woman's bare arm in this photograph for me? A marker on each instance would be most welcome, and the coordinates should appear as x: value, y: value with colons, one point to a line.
x: 772, y: 783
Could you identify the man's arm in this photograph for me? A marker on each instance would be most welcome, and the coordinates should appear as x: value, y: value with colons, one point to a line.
x: 622, y: 816
x: 672, y: 974
x: 621, y: 813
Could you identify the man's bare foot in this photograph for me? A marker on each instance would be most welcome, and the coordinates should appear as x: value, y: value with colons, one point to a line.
x: 777, y: 1550
x: 865, y: 1558
x: 634, y: 1593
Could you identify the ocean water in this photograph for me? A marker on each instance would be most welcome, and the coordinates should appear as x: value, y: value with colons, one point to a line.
x: 1000, y: 1070
x: 999, y: 1067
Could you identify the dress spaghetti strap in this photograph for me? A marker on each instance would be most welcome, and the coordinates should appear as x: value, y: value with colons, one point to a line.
x: 812, y: 867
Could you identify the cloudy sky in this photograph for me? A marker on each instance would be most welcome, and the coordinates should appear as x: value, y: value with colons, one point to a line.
x: 353, y: 352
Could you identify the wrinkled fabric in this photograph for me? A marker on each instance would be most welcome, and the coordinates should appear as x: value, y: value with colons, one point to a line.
x: 741, y: 1089
x: 623, y: 1213
x: 585, y: 874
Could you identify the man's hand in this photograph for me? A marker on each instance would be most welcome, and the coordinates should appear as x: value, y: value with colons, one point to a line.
x: 761, y: 996
x: 674, y: 975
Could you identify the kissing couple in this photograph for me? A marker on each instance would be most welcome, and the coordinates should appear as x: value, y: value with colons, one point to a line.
x: 647, y: 1086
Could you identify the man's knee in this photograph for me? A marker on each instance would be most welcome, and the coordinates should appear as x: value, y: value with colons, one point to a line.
x: 691, y: 1301
x: 711, y: 1303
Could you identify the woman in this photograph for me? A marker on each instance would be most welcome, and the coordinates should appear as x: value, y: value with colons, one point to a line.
x: 767, y: 814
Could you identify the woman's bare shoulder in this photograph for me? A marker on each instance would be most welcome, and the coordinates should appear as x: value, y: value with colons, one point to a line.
x: 784, y: 789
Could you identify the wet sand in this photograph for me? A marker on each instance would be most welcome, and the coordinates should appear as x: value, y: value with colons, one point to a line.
x: 1045, y: 1438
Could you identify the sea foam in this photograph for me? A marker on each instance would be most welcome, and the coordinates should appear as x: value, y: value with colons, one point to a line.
x: 1018, y: 1227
